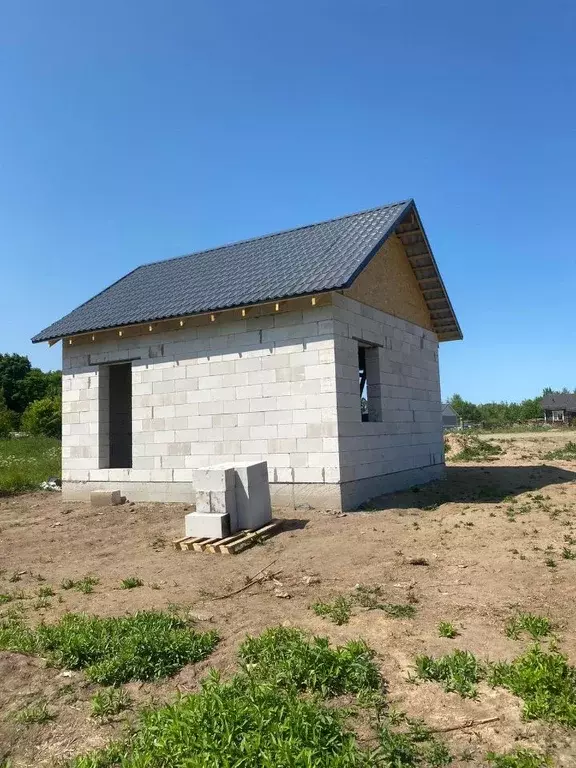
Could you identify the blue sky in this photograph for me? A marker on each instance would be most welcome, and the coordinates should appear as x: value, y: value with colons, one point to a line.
x: 134, y: 131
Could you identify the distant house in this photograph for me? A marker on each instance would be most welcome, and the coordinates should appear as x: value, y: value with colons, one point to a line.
x: 559, y: 406
x: 449, y: 416
x: 262, y: 350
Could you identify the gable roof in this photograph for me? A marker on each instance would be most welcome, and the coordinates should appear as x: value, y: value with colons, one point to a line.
x: 561, y: 401
x: 448, y: 410
x: 320, y: 257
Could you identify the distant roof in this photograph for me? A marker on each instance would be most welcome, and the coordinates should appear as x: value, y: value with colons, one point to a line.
x: 448, y: 410
x: 560, y: 400
x: 320, y: 257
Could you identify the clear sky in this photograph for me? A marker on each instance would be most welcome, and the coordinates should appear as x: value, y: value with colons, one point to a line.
x: 133, y: 131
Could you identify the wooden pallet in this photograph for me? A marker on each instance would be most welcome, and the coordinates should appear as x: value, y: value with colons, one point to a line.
x: 231, y: 545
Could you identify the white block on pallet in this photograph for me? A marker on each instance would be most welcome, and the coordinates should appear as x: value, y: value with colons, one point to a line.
x: 253, y: 505
x: 207, y: 525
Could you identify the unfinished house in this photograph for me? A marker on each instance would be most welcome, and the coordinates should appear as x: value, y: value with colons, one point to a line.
x: 314, y: 349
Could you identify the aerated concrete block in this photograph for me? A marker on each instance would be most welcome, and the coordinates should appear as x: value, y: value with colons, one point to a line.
x: 105, y: 498
x: 253, y: 506
x: 207, y: 525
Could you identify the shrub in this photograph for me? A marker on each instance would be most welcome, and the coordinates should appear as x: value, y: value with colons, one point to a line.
x: 289, y: 659
x: 43, y: 417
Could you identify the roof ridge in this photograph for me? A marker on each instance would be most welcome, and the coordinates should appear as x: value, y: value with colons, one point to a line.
x: 275, y: 234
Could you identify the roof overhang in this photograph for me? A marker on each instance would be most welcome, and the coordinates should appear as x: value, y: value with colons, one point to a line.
x: 413, y: 237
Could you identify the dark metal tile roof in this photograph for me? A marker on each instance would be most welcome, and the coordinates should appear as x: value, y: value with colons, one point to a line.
x: 559, y: 400
x: 319, y: 257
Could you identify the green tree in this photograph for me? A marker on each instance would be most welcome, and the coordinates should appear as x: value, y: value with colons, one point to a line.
x: 35, y: 386
x: 465, y: 409
x: 43, y: 417
x: 13, y: 368
x: 6, y: 418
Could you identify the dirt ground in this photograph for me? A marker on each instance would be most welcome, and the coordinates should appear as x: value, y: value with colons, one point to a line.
x: 477, y: 568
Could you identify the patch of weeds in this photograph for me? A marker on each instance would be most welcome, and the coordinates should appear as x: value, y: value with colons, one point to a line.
x: 550, y: 562
x: 239, y: 723
x: 15, y: 636
x: 568, y: 554
x: 447, y: 629
x: 131, y: 583
x: 34, y: 713
x: 546, y: 683
x: 474, y: 448
x: 414, y: 747
x: 6, y: 599
x: 568, y: 452
x: 459, y: 671
x: 144, y: 646
x: 109, y: 702
x: 46, y: 591
x: 368, y: 596
x: 86, y: 584
x: 338, y: 611
x: 42, y: 602
x: 67, y: 583
x: 287, y: 658
x: 536, y: 626
x: 399, y: 610
x: 15, y: 577
x: 520, y: 758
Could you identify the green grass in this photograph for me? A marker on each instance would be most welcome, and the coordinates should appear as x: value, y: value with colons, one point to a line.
x: 26, y: 462
x: 399, y: 610
x: 546, y: 683
x: 338, y: 611
x: 535, y: 626
x: 236, y: 724
x: 447, y: 629
x: 568, y: 452
x: 34, y: 713
x: 290, y: 659
x: 109, y: 702
x: 131, y: 583
x: 144, y: 646
x: 459, y: 671
x: 271, y: 714
x: 46, y: 591
x: 520, y: 758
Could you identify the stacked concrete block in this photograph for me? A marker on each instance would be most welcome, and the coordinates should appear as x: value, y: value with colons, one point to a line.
x: 215, y: 515
x: 229, y: 498
x: 253, y: 505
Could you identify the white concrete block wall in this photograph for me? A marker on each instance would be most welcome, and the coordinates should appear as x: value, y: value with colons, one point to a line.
x: 248, y: 389
x: 409, y: 436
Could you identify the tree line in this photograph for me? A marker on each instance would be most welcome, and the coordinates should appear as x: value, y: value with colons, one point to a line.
x: 495, y: 414
x: 30, y: 399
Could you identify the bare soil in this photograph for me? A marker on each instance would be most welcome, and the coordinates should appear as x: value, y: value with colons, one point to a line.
x: 477, y: 569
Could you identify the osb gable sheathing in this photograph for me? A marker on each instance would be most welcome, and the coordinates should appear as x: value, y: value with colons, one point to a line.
x: 389, y: 284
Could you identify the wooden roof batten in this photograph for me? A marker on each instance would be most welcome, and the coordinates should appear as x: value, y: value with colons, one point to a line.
x: 412, y: 236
